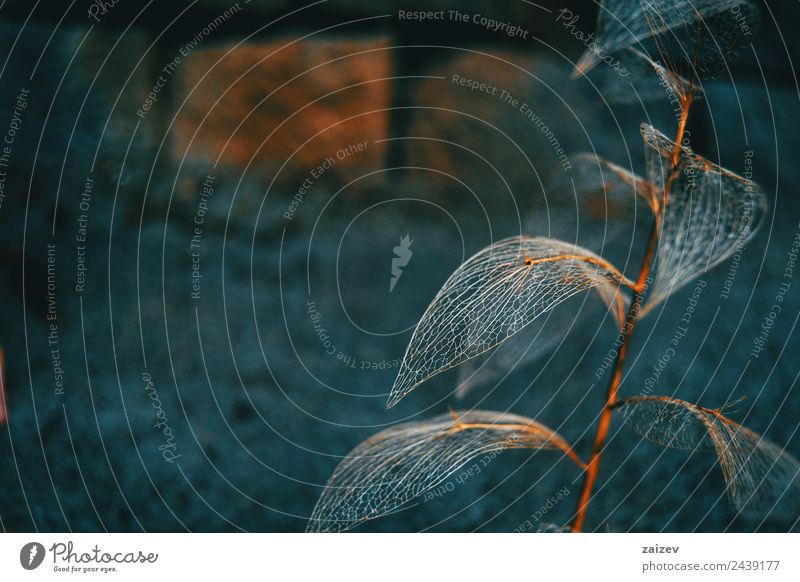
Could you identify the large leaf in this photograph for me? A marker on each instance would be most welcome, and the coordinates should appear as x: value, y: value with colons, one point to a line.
x: 401, y: 463
x: 595, y: 205
x: 709, y: 213
x: 493, y: 296
x: 693, y: 37
x: 539, y: 338
x: 759, y: 475
x: 519, y: 351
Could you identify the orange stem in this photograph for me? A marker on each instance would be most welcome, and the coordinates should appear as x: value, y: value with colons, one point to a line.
x: 626, y: 330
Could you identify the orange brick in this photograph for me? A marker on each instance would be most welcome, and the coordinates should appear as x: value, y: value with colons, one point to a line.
x: 238, y: 125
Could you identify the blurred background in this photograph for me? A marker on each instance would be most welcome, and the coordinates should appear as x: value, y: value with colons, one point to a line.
x: 201, y: 204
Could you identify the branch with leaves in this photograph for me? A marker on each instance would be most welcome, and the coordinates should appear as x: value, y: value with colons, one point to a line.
x: 701, y: 214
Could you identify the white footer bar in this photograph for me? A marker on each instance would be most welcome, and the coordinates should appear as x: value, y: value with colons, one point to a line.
x: 401, y: 557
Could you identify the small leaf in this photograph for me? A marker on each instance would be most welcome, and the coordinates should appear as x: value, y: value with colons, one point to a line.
x: 597, y: 181
x: 401, y: 463
x: 643, y: 80
x: 759, y: 475
x: 493, y: 296
x: 709, y: 213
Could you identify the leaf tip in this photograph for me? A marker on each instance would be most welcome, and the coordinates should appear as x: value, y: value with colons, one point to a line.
x: 585, y: 64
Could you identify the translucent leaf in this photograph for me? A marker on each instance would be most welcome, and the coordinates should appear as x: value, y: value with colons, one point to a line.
x: 643, y: 80
x: 401, y: 463
x: 605, y: 187
x: 517, y: 352
x: 595, y: 205
x: 710, y: 212
x: 536, y: 340
x: 758, y: 473
x: 694, y: 38
x: 493, y: 296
